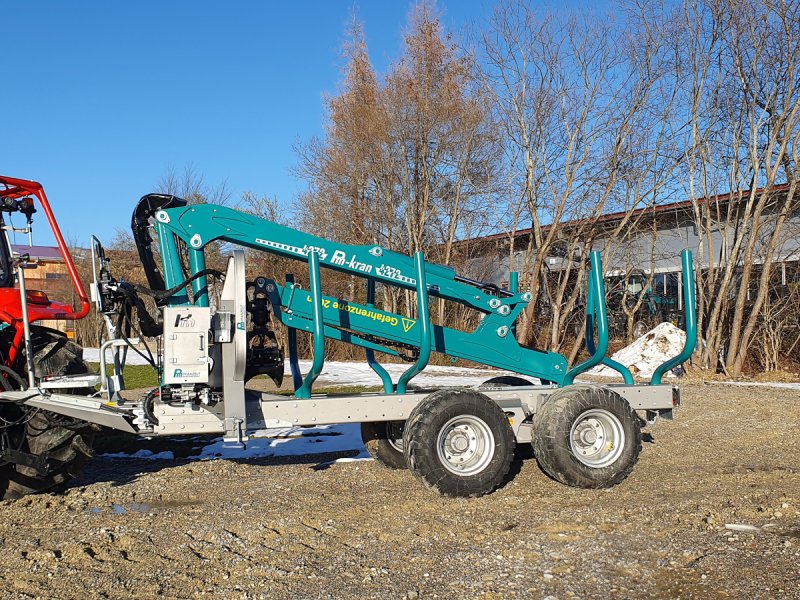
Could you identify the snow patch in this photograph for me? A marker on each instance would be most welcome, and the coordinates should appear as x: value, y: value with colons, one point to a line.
x: 92, y: 355
x: 352, y: 373
x: 645, y: 354
x: 142, y: 454
x: 293, y: 441
x: 337, y: 373
x: 285, y: 441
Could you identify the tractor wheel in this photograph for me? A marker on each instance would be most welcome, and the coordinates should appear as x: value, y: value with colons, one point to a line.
x: 384, y: 442
x: 67, y: 442
x: 586, y: 436
x: 459, y: 443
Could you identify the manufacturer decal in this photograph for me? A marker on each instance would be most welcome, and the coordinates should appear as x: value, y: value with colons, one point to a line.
x: 394, y: 273
x: 340, y: 258
x: 180, y: 373
x: 184, y: 321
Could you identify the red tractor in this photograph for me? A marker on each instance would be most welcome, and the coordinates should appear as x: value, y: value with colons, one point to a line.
x: 39, y: 450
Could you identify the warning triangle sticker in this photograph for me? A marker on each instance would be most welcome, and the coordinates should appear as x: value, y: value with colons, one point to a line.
x: 407, y: 324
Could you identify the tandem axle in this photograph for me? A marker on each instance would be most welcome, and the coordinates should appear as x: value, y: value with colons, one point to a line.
x: 458, y: 441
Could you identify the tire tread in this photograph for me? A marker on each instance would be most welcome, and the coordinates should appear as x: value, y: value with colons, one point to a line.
x: 421, y: 433
x: 551, y: 427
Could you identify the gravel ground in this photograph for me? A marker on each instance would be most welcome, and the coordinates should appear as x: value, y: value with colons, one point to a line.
x: 302, y: 527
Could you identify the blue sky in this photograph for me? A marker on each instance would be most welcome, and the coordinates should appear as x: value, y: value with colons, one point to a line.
x: 100, y: 99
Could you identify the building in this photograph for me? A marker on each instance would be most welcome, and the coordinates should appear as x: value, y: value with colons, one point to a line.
x: 650, y: 243
x: 50, y: 276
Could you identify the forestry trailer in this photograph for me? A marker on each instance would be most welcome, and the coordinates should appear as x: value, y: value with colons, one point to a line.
x: 459, y: 441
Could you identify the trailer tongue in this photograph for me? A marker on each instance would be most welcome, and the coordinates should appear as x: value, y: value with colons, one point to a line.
x: 459, y: 441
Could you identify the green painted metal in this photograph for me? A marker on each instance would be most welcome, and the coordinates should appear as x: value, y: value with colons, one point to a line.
x: 484, y: 345
x: 423, y: 311
x: 596, y: 294
x: 591, y: 312
x: 170, y: 258
x: 493, y: 341
x: 319, y: 329
x: 386, y: 379
x: 202, y: 224
x: 197, y: 263
x: 291, y: 341
x: 690, y: 312
x: 490, y: 343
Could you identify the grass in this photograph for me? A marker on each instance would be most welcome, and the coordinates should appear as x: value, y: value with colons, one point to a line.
x: 136, y: 376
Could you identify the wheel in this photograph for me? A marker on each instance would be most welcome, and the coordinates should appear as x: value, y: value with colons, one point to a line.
x: 66, y: 442
x: 384, y: 442
x: 459, y: 442
x: 504, y: 380
x: 586, y: 436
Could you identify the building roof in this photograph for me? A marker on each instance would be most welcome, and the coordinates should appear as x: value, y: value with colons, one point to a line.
x: 654, y: 209
x: 40, y: 252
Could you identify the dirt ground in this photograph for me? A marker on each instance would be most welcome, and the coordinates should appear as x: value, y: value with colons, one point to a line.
x: 305, y: 528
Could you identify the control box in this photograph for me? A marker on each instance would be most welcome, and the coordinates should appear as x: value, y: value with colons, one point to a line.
x: 186, y: 339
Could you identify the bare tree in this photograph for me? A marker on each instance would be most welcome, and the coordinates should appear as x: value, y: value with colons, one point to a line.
x: 407, y: 161
x: 588, y: 117
x: 745, y: 115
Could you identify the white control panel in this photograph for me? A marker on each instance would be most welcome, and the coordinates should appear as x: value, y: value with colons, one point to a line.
x: 186, y: 333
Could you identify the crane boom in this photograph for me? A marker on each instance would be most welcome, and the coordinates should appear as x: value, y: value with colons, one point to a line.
x: 492, y: 342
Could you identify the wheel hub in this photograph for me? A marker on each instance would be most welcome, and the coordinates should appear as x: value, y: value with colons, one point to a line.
x: 465, y: 445
x: 458, y: 441
x: 589, y: 435
x: 597, y: 438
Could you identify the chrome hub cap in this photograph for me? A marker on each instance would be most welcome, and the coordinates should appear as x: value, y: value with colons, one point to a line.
x: 465, y: 445
x: 597, y: 438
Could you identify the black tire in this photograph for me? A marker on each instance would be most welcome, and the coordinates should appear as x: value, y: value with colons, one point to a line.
x: 384, y: 442
x: 590, y: 460
x: 67, y: 442
x: 504, y: 380
x: 459, y: 443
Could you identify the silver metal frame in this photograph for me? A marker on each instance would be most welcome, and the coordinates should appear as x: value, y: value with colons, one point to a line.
x: 263, y: 410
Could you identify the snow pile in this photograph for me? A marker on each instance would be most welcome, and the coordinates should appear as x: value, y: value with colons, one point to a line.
x: 645, y: 354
